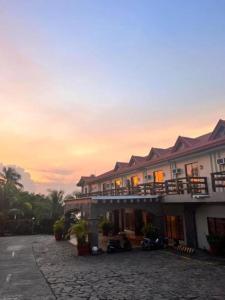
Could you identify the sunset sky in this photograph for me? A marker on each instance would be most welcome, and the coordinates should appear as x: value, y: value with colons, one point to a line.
x: 86, y: 83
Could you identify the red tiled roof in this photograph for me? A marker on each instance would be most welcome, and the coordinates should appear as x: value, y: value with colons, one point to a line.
x: 190, y: 145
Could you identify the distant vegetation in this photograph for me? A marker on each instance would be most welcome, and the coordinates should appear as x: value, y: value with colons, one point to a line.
x: 22, y: 212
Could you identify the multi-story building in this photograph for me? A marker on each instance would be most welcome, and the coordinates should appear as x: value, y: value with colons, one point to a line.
x: 180, y: 189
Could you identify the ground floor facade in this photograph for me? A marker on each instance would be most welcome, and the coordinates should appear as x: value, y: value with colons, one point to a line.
x: 183, y: 223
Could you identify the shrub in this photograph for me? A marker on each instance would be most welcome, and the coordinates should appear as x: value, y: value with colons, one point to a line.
x: 80, y: 229
x: 58, y: 226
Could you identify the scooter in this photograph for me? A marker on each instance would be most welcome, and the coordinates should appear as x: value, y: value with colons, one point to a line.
x: 152, y: 244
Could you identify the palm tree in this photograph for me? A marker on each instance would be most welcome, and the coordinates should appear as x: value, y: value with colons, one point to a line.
x: 11, y: 176
x: 56, y: 198
x: 9, y: 186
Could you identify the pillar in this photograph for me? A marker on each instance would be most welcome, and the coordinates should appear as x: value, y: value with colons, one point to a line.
x: 93, y: 232
x: 191, y: 234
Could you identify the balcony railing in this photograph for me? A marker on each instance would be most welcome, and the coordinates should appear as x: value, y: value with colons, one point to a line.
x: 218, y: 180
x: 189, y: 185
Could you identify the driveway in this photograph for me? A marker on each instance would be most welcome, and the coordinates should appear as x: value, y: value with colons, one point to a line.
x: 131, y: 275
x: 20, y: 277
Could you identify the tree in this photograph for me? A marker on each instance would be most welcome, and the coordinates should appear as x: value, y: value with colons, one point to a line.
x: 9, y: 186
x: 11, y: 176
x: 56, y: 198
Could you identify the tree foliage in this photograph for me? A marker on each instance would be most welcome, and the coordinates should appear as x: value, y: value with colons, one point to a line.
x: 16, y: 203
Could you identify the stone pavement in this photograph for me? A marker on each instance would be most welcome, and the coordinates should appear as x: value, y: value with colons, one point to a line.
x: 132, y: 275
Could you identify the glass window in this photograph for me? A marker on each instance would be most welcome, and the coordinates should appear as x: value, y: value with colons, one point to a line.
x: 192, y: 169
x: 158, y: 176
x: 134, y: 180
x: 118, y: 183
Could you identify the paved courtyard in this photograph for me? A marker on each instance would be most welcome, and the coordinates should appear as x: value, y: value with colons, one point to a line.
x: 132, y: 275
x: 37, y: 267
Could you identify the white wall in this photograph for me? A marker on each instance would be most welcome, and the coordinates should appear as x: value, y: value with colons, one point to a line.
x: 202, y: 212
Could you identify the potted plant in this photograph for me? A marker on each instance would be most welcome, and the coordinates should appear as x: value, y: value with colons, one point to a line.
x: 80, y: 229
x: 105, y: 226
x: 58, y: 229
x: 216, y: 244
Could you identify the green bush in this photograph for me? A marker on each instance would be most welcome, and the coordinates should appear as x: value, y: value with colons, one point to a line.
x: 80, y: 229
x: 58, y: 227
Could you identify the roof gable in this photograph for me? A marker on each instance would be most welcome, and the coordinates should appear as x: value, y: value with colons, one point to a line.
x: 156, y: 153
x: 120, y: 165
x: 219, y: 130
x: 182, y: 143
x: 136, y: 159
x: 84, y: 179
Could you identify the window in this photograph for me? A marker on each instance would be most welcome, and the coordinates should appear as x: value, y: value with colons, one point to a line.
x: 158, y: 176
x: 134, y: 180
x: 192, y: 170
x: 174, y: 227
x: 216, y: 226
x: 118, y: 183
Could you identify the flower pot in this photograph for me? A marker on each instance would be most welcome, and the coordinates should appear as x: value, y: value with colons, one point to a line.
x: 83, y: 249
x: 58, y: 236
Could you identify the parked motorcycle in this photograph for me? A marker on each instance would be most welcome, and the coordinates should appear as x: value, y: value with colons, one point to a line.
x: 152, y: 244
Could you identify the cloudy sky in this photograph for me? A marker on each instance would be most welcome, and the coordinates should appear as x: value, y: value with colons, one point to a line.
x: 86, y: 83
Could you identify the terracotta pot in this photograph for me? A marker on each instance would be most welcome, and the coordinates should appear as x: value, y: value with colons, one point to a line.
x: 83, y: 249
x: 58, y: 236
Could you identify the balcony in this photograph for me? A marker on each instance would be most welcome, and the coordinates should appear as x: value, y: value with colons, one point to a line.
x: 189, y: 185
x: 185, y: 185
x: 218, y: 181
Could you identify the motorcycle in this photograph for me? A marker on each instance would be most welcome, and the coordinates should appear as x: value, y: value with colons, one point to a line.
x: 152, y: 244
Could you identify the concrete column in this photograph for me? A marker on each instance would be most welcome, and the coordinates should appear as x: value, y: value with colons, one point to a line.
x: 93, y: 232
x: 191, y: 233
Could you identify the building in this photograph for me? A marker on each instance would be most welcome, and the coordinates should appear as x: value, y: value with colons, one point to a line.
x: 180, y: 189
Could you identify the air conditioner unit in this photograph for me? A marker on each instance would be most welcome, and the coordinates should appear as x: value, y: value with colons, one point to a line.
x: 221, y: 161
x: 177, y: 171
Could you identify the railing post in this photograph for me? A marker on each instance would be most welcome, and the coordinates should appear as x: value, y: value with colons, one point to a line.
x: 213, y: 182
x: 144, y: 189
x: 206, y: 186
x: 189, y: 185
x: 166, y: 187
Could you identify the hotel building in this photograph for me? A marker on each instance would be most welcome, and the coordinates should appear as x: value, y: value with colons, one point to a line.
x: 181, y: 190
